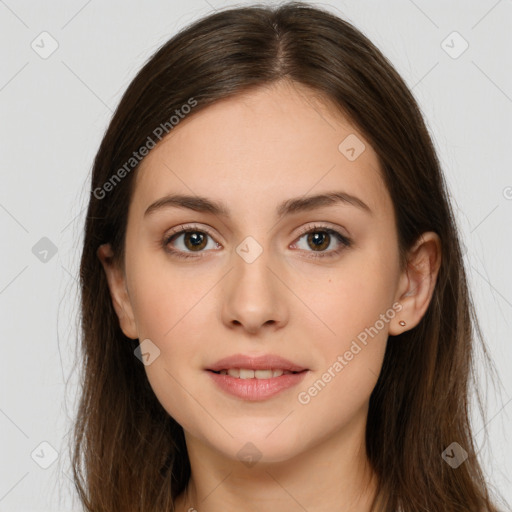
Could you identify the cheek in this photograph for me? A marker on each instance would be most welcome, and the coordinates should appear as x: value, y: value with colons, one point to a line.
x: 352, y: 298
x: 356, y: 306
x: 166, y: 315
x: 174, y: 310
x: 352, y: 351
x: 354, y: 344
x: 166, y: 297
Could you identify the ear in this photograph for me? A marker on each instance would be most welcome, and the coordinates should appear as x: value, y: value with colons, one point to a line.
x: 118, y: 291
x: 417, y: 282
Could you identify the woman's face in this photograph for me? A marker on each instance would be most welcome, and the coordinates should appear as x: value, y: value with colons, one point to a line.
x: 254, y: 282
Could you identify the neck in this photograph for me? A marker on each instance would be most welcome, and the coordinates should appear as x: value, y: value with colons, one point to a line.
x: 332, y: 475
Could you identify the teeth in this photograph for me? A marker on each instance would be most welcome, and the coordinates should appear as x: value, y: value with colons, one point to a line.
x: 244, y: 373
x: 263, y: 374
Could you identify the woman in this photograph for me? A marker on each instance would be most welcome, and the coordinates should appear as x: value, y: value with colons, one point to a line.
x: 275, y: 311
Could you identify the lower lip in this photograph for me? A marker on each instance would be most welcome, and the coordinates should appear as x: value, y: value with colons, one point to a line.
x: 256, y: 389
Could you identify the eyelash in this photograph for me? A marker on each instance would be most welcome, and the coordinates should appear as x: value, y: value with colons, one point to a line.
x: 345, y: 241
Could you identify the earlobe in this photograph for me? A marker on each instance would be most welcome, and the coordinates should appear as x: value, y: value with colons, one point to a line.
x: 417, y: 282
x: 118, y: 291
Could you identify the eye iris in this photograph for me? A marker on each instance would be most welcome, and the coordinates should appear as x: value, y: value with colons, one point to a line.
x: 315, y: 237
x: 197, y: 239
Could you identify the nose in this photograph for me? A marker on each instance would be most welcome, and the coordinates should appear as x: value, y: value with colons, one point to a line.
x: 254, y: 296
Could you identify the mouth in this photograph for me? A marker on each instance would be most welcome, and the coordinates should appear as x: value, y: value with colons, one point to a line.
x: 261, y: 374
x: 255, y: 377
x: 261, y: 365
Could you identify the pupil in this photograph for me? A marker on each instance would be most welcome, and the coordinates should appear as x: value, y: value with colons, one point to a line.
x: 319, y: 239
x: 195, y: 238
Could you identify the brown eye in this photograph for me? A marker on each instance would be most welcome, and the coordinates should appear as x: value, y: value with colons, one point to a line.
x: 194, y: 240
x: 187, y: 241
x: 319, y: 239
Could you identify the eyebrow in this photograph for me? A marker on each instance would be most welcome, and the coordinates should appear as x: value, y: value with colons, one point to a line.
x: 290, y: 206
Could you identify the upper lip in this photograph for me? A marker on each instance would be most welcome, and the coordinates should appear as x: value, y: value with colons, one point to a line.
x: 264, y: 362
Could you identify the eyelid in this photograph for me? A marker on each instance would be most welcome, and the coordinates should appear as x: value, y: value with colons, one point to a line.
x: 321, y: 225
x: 317, y: 226
x: 189, y: 227
x: 302, y: 231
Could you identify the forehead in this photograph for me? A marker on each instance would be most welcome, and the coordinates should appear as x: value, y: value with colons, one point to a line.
x: 261, y: 147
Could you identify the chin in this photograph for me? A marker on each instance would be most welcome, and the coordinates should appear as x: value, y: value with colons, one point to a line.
x: 265, y: 445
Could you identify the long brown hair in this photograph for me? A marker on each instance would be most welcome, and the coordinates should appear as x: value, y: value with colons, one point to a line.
x: 128, y: 453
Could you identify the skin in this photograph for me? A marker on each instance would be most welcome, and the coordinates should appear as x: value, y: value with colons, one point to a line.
x: 253, y: 152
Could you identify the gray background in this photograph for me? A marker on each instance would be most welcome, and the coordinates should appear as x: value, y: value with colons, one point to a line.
x: 54, y: 111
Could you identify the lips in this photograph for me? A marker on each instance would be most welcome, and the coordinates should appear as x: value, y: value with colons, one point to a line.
x: 259, y: 378
x: 255, y: 388
x: 244, y: 373
x: 264, y: 362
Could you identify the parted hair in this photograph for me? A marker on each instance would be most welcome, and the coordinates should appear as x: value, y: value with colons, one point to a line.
x: 129, y: 454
